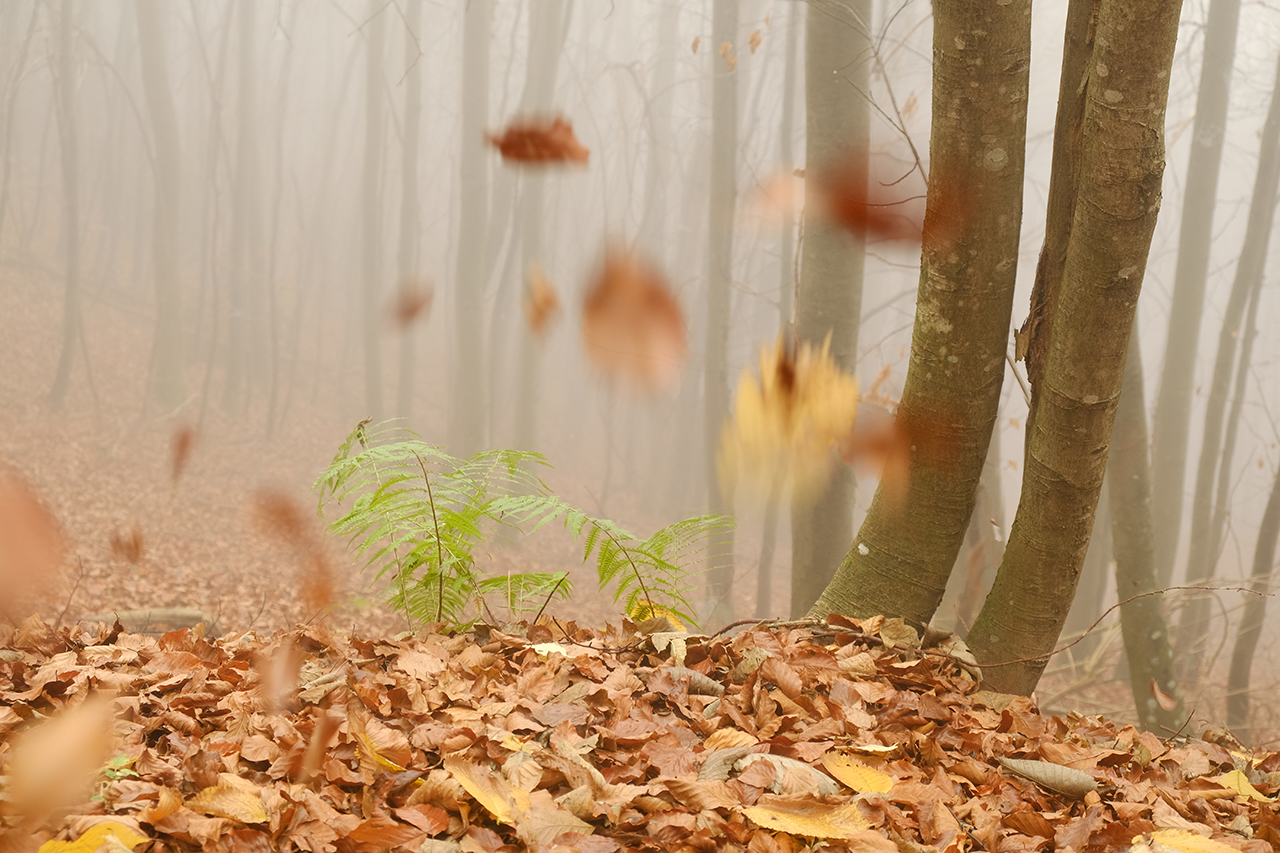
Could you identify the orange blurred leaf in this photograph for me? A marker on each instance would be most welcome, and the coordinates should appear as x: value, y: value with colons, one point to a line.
x: 541, y: 304
x: 755, y: 40
x: 412, y: 302
x: 539, y: 142
x: 697, y: 40
x: 127, y: 545
x: 31, y: 545
x: 632, y: 323
x: 184, y: 439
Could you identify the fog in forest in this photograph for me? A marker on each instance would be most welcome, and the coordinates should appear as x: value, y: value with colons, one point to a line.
x: 243, y: 227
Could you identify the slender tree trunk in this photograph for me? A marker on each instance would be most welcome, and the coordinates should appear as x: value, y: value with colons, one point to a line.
x: 908, y: 543
x: 1173, y: 404
x: 11, y: 104
x: 829, y: 302
x: 1193, y: 626
x: 724, y: 198
x: 69, y: 144
x: 375, y: 28
x: 407, y: 254
x: 167, y: 365
x: 1122, y: 161
x: 1255, y: 608
x: 468, y: 419
x: 983, y: 548
x: 1142, y: 622
x: 1088, y: 604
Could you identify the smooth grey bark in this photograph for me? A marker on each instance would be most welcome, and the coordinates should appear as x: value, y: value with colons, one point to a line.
x: 11, y: 101
x: 375, y: 29
x: 906, y: 547
x: 1261, y: 582
x: 829, y: 300
x: 72, y: 321
x: 1088, y: 604
x: 1142, y: 622
x: 466, y: 431
x: 980, y: 555
x: 1172, y: 417
x: 167, y: 359
x: 546, y: 27
x: 1206, y: 524
x: 1121, y: 165
x: 724, y: 199
x: 407, y: 251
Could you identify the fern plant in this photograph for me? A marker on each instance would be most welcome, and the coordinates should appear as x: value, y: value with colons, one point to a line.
x: 417, y: 514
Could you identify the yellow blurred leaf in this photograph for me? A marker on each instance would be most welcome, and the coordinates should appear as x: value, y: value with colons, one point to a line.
x: 1238, y: 782
x: 855, y: 774
x: 1190, y: 842
x: 488, y: 789
x: 94, y: 837
x: 53, y: 763
x: 803, y: 816
x: 233, y: 797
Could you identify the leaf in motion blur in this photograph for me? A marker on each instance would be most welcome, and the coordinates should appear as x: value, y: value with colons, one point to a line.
x: 128, y: 545
x: 541, y: 304
x: 865, y: 204
x: 788, y: 419
x: 31, y: 543
x: 184, y: 439
x: 52, y: 763
x: 412, y: 302
x: 632, y: 323
x: 539, y: 142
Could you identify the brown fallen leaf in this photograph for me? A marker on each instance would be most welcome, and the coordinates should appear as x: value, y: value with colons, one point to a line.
x: 411, y: 303
x: 538, y: 142
x: 632, y: 324
x: 184, y: 439
x: 541, y: 304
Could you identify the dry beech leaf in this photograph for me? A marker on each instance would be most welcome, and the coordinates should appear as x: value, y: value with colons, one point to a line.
x: 1053, y: 777
x: 1165, y: 700
x: 487, y: 788
x: 127, y: 545
x: 1239, y: 783
x: 539, y: 142
x: 788, y: 420
x: 755, y: 40
x: 793, y: 777
x: 802, y: 815
x: 95, y: 837
x: 411, y: 303
x: 782, y: 674
x: 858, y: 776
x: 697, y: 40
x: 541, y: 304
x: 168, y: 801
x: 728, y: 738
x: 180, y: 446
x: 632, y: 323
x: 1185, y: 841
x: 233, y: 797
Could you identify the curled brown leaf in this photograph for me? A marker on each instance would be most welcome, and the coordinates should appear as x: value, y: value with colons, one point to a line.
x: 539, y: 142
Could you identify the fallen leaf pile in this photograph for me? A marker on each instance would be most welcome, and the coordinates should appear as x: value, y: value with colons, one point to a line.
x: 779, y: 739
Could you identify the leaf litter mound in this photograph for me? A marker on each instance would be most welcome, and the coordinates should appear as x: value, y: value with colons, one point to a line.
x: 779, y: 739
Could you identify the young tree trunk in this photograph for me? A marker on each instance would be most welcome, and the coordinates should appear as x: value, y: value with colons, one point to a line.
x: 466, y: 433
x: 375, y: 28
x: 1122, y: 160
x: 829, y: 302
x: 166, y: 355
x: 908, y: 543
x: 1193, y: 626
x: 1173, y: 404
x: 13, y: 87
x: 1142, y: 622
x: 69, y: 145
x: 1255, y: 607
x: 1087, y: 606
x: 407, y: 252
x: 981, y: 553
x: 724, y: 199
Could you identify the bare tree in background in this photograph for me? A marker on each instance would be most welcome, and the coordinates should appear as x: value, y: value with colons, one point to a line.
x: 407, y: 252
x: 374, y: 29
x: 829, y: 300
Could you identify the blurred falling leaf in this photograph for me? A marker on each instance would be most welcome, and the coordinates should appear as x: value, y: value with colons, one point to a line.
x: 697, y: 40
x: 632, y: 324
x: 1166, y: 701
x: 909, y: 108
x: 864, y: 205
x: 53, y: 763
x: 731, y: 60
x: 184, y: 439
x: 541, y: 304
x: 316, y: 580
x: 755, y: 40
x: 539, y: 142
x: 127, y: 545
x: 788, y: 419
x: 725, y: 47
x: 31, y: 545
x: 96, y: 837
x: 412, y: 302
x: 278, y: 514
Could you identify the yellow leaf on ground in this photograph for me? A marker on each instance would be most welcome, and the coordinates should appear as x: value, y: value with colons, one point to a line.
x: 233, y: 797
x: 94, y: 837
x: 1190, y: 842
x: 803, y: 816
x: 1238, y: 782
x: 489, y: 790
x: 855, y: 774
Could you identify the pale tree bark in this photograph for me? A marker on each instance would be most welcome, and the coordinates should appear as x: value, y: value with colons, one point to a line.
x: 906, y: 547
x: 829, y: 301
x: 724, y: 200
x: 1142, y: 622
x: 167, y: 366
x: 981, y: 553
x: 13, y: 87
x: 1122, y: 161
x: 1205, y: 534
x: 375, y: 30
x: 546, y: 29
x: 1255, y: 609
x: 407, y: 250
x: 1088, y: 604
x: 1172, y: 416
x: 786, y: 292
x: 466, y: 432
x: 72, y: 320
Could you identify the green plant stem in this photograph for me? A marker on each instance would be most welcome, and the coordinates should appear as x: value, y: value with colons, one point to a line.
x: 431, y: 501
x: 634, y: 568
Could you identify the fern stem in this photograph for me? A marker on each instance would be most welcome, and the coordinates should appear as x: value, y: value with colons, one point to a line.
x: 550, y: 596
x: 634, y: 568
x: 431, y: 502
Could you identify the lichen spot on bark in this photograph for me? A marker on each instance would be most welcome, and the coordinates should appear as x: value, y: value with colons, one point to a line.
x: 995, y: 159
x: 1102, y: 69
x: 863, y: 549
x: 1112, y: 96
x: 960, y: 43
x: 932, y: 321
